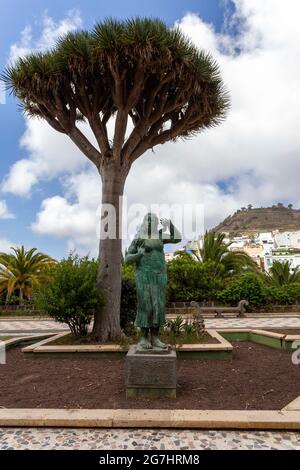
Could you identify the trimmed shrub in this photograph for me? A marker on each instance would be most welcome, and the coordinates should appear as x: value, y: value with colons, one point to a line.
x: 248, y: 286
x: 188, y: 279
x: 285, y: 295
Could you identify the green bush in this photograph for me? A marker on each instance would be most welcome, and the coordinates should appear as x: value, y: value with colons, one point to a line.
x: 248, y: 286
x: 284, y: 295
x: 72, y: 295
x: 128, y: 303
x: 128, y: 271
x: 188, y: 279
x: 128, y: 297
x: 12, y: 300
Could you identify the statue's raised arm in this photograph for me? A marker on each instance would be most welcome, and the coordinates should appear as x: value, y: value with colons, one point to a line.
x: 173, y: 236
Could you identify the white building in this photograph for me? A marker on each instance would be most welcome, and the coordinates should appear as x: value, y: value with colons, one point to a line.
x: 237, y: 243
x: 264, y: 247
x: 265, y: 238
x: 283, y: 254
x: 289, y: 239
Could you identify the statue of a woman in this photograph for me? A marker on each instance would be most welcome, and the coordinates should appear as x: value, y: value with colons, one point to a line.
x: 147, y: 253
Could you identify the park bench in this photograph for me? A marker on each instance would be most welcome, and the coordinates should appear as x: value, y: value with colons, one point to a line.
x: 219, y: 311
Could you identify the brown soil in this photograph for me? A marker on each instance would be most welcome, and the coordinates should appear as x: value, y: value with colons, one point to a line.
x: 258, y: 377
x: 205, y: 338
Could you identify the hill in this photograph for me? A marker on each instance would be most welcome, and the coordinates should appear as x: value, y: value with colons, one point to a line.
x: 253, y: 220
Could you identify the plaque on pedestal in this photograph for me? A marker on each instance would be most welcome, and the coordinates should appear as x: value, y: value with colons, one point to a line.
x: 151, y: 374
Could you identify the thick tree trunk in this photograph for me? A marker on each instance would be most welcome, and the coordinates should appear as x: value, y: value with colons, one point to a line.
x: 107, y: 318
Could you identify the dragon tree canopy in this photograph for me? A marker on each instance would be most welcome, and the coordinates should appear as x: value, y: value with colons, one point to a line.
x: 138, y: 68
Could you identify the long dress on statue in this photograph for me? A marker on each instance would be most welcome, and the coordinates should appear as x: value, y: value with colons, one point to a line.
x: 151, y: 280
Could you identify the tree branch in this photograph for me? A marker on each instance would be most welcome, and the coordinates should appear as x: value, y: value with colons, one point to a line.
x: 100, y: 133
x: 149, y: 117
x: 50, y: 119
x: 138, y: 85
x: 85, y: 146
x: 169, y: 134
x: 118, y: 95
x: 120, y: 131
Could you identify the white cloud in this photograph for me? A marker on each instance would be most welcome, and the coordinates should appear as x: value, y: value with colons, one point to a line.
x: 259, y: 144
x: 73, y: 216
x: 50, y: 154
x: 4, y: 212
x: 51, y: 31
x: 252, y: 158
x: 5, y: 245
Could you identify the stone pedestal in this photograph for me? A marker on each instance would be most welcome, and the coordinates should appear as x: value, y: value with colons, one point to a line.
x: 151, y: 374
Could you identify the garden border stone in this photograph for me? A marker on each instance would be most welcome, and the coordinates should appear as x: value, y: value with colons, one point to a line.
x: 221, y: 350
x: 264, y: 337
x: 286, y: 419
x: 24, y: 339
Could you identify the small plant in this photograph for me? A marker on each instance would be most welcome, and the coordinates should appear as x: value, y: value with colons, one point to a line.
x: 175, y: 326
x: 189, y: 329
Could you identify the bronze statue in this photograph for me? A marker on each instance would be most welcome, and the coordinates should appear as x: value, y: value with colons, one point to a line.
x: 147, y: 253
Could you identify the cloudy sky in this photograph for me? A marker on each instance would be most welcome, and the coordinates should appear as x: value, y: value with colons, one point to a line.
x: 50, y: 193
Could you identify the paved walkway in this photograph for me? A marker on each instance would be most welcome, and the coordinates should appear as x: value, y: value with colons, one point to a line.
x: 46, y: 326
x: 34, y: 326
x: 267, y: 322
x: 127, y: 439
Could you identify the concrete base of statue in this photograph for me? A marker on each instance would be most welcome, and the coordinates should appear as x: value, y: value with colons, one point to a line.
x: 151, y: 374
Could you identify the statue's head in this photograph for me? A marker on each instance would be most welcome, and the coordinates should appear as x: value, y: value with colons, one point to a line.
x: 150, y: 224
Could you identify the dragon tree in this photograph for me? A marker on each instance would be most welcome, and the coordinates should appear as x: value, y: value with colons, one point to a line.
x: 145, y: 77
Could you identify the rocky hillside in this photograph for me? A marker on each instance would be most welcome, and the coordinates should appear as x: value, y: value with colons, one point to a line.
x: 251, y: 220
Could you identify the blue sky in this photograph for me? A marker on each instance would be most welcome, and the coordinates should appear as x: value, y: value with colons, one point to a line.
x: 240, y: 163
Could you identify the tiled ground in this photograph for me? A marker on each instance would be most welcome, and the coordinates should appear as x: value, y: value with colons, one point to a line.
x: 267, y: 322
x: 34, y: 326
x: 127, y: 439
x: 42, y: 326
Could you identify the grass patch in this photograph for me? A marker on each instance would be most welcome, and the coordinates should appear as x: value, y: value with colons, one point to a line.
x: 5, y: 338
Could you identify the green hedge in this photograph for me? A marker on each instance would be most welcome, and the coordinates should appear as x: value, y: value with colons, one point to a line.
x: 248, y: 286
x: 285, y: 295
x: 190, y: 280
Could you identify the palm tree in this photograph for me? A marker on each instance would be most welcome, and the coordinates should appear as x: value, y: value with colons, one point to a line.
x: 227, y: 262
x: 136, y: 71
x: 280, y: 274
x: 21, y: 270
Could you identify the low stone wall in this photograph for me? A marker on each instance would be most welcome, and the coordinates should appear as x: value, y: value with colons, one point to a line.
x: 279, y: 309
x: 183, y: 308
